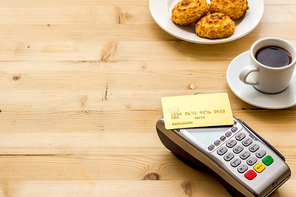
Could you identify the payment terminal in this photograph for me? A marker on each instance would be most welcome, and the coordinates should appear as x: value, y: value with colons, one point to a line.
x: 245, y: 163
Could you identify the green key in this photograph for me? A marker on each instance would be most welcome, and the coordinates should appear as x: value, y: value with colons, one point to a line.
x: 267, y: 160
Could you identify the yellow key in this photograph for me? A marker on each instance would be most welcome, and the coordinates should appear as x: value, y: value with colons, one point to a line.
x: 259, y: 167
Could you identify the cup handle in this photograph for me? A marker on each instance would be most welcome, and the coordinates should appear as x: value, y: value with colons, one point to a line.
x: 243, y: 76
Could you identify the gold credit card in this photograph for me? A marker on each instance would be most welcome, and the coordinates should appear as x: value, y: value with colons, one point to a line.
x: 201, y: 110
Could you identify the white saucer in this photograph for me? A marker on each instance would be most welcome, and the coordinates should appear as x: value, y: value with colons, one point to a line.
x: 252, y: 96
x: 161, y: 13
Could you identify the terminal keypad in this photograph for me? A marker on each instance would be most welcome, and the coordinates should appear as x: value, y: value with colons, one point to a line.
x: 245, y: 155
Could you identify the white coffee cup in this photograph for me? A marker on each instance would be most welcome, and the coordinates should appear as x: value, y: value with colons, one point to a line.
x: 266, y: 78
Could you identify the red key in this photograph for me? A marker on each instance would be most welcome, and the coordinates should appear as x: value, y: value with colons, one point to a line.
x: 251, y: 174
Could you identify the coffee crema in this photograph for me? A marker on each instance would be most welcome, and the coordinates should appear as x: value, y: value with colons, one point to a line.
x: 273, y: 56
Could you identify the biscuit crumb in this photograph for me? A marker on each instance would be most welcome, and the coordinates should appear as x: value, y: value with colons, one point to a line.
x: 185, y: 2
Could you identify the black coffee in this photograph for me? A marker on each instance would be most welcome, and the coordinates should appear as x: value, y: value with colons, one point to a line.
x: 273, y: 56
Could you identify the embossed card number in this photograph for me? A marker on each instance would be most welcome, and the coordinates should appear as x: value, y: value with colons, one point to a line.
x: 200, y: 110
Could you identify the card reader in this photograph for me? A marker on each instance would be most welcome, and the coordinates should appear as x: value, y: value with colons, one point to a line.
x: 241, y: 160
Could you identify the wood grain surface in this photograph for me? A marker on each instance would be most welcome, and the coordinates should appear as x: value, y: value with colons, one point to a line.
x: 80, y: 89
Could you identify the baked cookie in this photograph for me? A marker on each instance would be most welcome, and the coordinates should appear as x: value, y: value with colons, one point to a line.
x: 232, y: 8
x: 215, y: 26
x: 186, y: 12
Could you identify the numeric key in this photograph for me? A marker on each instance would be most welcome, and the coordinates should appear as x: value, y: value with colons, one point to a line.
x: 247, y: 142
x: 231, y: 143
x: 245, y: 155
x: 221, y: 151
x: 238, y: 149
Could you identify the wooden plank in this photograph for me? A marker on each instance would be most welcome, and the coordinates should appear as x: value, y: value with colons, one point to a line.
x: 113, y: 188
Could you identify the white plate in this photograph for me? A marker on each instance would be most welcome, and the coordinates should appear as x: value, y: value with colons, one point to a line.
x: 252, y: 96
x: 161, y: 13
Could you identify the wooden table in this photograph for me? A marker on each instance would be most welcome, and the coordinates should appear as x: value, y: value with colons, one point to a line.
x: 80, y: 89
